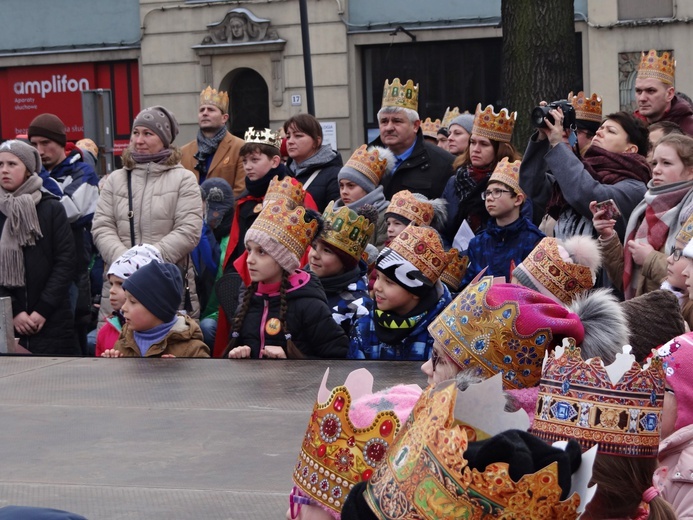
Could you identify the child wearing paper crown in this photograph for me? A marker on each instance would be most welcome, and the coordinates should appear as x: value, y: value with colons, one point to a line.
x: 120, y: 270
x: 153, y: 327
x: 508, y: 237
x: 676, y: 264
x: 413, y: 208
x: 284, y: 313
x: 408, y: 296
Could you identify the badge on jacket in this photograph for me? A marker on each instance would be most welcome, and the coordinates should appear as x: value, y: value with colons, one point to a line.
x: 273, y: 326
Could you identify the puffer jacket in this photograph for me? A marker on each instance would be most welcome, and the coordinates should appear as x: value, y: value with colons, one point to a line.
x: 183, y: 340
x: 167, y: 207
x: 674, y: 477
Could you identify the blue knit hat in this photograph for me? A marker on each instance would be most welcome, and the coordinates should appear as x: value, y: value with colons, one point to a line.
x: 159, y: 287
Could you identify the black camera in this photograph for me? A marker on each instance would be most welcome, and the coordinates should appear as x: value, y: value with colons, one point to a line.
x: 539, y: 113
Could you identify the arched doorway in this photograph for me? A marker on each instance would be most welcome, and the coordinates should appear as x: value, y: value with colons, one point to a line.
x: 248, y: 100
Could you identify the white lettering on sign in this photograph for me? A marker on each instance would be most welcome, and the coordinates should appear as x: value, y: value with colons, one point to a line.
x: 57, y: 83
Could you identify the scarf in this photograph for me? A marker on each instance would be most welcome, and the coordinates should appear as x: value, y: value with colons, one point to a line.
x: 467, y: 179
x: 258, y: 187
x: 375, y: 198
x: 340, y: 282
x: 392, y: 328
x: 324, y: 155
x: 146, y: 338
x: 660, y: 210
x: 158, y: 157
x: 22, y: 228
x: 208, y: 145
x: 469, y: 183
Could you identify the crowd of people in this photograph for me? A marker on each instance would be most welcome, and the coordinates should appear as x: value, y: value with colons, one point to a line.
x: 519, y: 276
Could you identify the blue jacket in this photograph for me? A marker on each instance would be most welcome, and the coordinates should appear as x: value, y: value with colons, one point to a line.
x: 80, y: 189
x: 497, y: 246
x: 365, y: 344
x: 347, y: 295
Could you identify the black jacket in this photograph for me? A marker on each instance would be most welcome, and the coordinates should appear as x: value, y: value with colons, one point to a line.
x: 49, y: 271
x: 325, y: 186
x: 426, y: 171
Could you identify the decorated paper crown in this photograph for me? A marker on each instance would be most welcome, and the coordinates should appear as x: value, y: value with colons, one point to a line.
x: 372, y: 163
x: 685, y: 234
x: 288, y: 189
x: 430, y: 128
x: 401, y: 96
x: 618, y: 407
x: 425, y: 474
x: 335, y: 454
x: 264, y: 136
x: 455, y: 271
x: 508, y: 173
x: 347, y: 230
x: 450, y: 114
x: 586, y: 109
x: 657, y: 67
x: 497, y: 127
x: 210, y: 96
x: 415, y: 211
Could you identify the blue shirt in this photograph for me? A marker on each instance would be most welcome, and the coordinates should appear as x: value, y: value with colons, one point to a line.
x: 399, y: 159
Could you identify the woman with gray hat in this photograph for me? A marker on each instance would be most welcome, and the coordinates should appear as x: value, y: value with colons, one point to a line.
x: 152, y: 200
x: 37, y: 253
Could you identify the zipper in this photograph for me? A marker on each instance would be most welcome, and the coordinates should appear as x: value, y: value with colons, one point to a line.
x: 265, y: 311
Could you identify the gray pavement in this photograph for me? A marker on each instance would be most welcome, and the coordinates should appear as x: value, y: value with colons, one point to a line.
x: 161, y: 438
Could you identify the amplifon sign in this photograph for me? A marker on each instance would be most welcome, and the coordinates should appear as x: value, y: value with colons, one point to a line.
x: 56, y: 84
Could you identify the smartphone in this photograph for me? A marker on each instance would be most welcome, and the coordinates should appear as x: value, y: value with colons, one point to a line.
x: 611, y: 209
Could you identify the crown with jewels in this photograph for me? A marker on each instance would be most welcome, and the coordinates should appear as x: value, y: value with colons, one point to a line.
x: 335, y: 454
x: 618, y: 406
x: 454, y: 272
x: 263, y: 136
x: 507, y: 172
x: 449, y: 115
x: 401, y: 96
x: 425, y: 473
x: 346, y: 230
x: 416, y: 211
x: 586, y: 108
x: 430, y: 128
x: 374, y: 162
x: 286, y: 223
x: 220, y: 99
x: 288, y: 189
x: 685, y: 234
x: 657, y: 67
x: 497, y: 127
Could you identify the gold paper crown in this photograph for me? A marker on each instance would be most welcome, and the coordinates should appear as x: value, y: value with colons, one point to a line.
x: 449, y: 116
x: 347, y: 230
x: 425, y: 474
x: 264, y: 136
x: 335, y: 454
x: 371, y: 162
x: 497, y: 127
x: 416, y: 211
x: 455, y: 271
x: 685, y: 234
x: 618, y: 407
x: 586, y: 109
x: 288, y: 189
x: 401, y: 96
x: 286, y: 224
x: 420, y: 246
x: 657, y: 67
x: 430, y: 128
x: 210, y: 96
x: 508, y: 173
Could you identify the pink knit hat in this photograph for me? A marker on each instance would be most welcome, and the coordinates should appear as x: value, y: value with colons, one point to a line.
x: 677, y: 356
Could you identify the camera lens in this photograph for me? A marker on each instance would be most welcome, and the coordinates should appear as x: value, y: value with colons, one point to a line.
x: 538, y: 115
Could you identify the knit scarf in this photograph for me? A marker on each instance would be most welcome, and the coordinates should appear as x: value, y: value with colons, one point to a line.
x: 392, y: 328
x: 660, y: 209
x: 21, y: 229
x: 323, y: 155
x: 208, y: 145
x: 158, y: 157
x: 467, y: 179
x: 146, y: 338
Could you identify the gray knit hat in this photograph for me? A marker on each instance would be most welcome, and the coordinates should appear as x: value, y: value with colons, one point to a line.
x: 160, y: 121
x: 466, y: 121
x: 25, y: 153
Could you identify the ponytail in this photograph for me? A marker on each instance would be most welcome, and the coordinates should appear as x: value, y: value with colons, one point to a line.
x: 292, y: 351
x: 237, y: 322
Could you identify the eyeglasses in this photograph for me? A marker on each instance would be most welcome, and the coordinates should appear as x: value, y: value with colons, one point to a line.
x: 296, y: 500
x: 676, y: 253
x: 493, y: 194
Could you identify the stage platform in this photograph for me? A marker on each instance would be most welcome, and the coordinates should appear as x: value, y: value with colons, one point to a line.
x: 161, y: 438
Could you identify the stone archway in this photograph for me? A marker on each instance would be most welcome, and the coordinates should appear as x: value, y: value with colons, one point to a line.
x: 249, y: 100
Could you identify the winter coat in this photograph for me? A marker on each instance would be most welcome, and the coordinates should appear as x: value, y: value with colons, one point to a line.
x: 325, y: 187
x: 416, y: 346
x: 347, y: 296
x: 108, y: 335
x: 425, y: 171
x: 497, y: 247
x: 49, y: 272
x: 308, y: 318
x: 680, y: 113
x: 226, y: 163
x: 183, y: 340
x: 167, y: 207
x: 377, y: 199
x: 674, y: 477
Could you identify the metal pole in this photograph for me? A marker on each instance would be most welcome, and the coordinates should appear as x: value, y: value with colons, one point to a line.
x: 307, y: 65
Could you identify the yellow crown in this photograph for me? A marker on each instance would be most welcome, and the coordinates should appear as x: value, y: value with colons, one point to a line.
x: 347, y: 230
x: 586, y: 108
x: 414, y: 210
x: 425, y: 474
x: 288, y: 189
x: 497, y: 127
x: 455, y: 271
x: 401, y: 96
x: 264, y: 136
x: 449, y: 116
x: 335, y: 454
x: 372, y: 162
x: 657, y: 67
x: 430, y: 128
x: 508, y: 173
x: 287, y: 225
x: 685, y: 234
x: 618, y: 407
x: 210, y: 96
